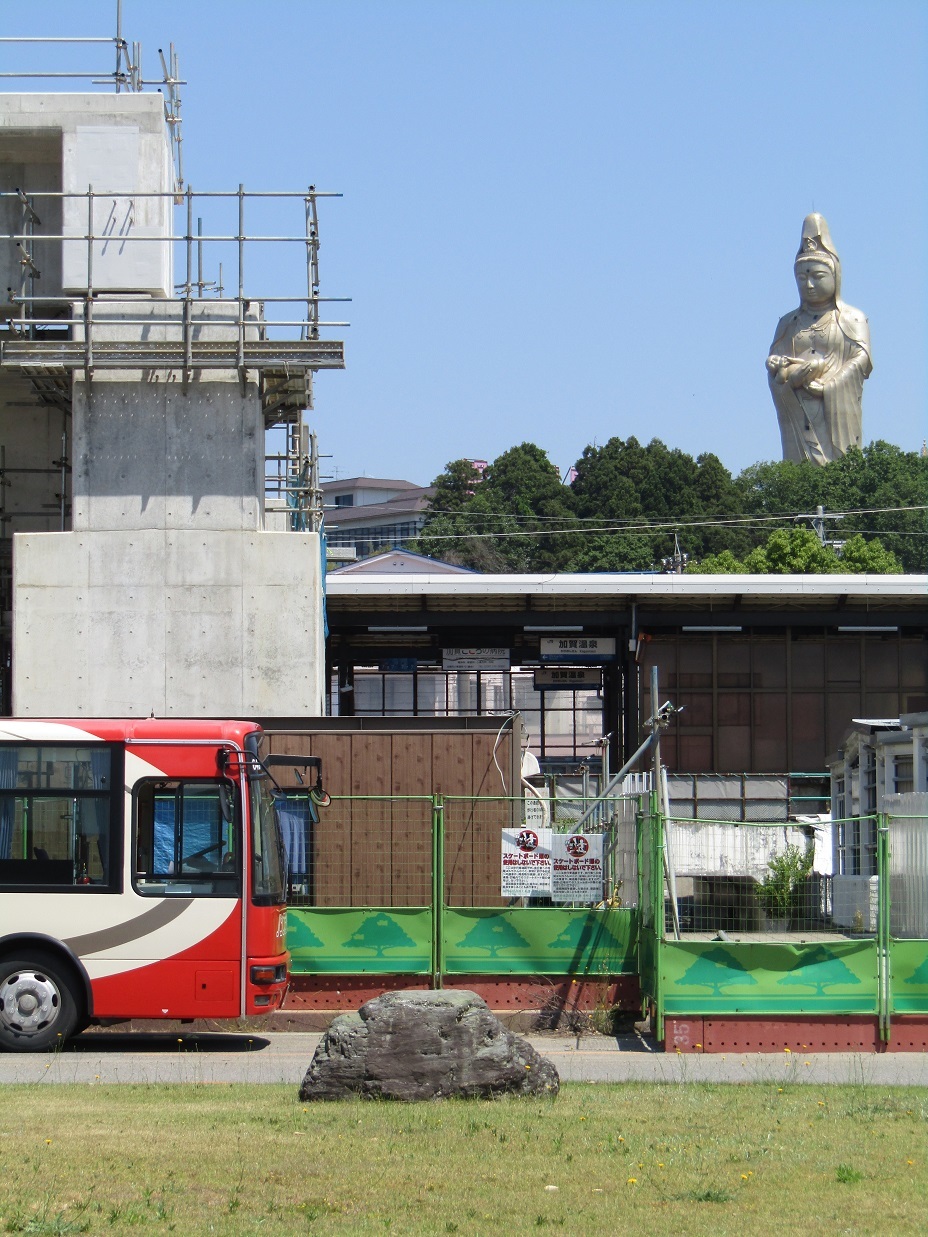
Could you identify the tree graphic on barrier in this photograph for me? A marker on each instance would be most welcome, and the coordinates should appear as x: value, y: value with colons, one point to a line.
x: 820, y: 970
x: 493, y: 935
x: 919, y: 975
x: 380, y: 933
x: 300, y: 935
x: 716, y: 969
x: 582, y: 933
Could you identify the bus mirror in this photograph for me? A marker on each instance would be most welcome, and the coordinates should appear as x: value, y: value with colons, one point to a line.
x: 225, y: 803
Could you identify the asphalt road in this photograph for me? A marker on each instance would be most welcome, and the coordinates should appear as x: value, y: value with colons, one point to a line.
x: 282, y: 1057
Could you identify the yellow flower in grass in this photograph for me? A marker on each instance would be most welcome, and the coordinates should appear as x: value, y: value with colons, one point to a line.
x: 632, y: 1181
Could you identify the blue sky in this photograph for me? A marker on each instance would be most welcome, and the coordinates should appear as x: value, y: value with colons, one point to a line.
x: 562, y: 221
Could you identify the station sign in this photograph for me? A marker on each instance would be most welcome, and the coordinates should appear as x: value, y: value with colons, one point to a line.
x: 567, y: 678
x: 475, y: 659
x: 576, y: 649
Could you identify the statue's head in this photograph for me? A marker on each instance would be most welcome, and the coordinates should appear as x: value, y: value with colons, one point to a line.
x: 816, y: 280
x: 817, y: 267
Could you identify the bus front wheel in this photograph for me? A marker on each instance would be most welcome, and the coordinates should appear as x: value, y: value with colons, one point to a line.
x: 39, y: 1005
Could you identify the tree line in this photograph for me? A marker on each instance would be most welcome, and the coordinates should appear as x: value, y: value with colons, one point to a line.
x: 630, y: 507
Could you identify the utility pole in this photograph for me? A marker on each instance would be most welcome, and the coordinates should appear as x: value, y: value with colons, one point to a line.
x: 818, y: 527
x: 675, y: 564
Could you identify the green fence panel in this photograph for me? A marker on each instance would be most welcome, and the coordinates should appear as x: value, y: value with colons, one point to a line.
x: 714, y: 977
x: 359, y: 940
x: 909, y: 961
x: 540, y: 941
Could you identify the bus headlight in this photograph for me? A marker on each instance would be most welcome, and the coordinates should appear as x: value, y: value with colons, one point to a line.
x: 268, y: 974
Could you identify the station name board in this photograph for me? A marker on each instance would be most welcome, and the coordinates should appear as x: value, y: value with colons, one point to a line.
x: 475, y: 659
x: 567, y: 678
x: 576, y: 649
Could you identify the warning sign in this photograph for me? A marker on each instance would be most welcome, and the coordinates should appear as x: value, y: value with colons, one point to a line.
x: 526, y: 863
x: 576, y: 867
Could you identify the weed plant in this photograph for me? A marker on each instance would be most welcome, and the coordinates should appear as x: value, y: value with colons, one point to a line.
x: 638, y: 1159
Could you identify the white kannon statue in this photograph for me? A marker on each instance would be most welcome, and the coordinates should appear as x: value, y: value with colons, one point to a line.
x: 819, y: 357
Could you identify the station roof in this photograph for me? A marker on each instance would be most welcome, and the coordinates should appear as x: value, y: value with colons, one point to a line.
x: 385, y: 615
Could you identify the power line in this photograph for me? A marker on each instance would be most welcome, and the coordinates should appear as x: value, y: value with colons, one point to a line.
x: 670, y: 525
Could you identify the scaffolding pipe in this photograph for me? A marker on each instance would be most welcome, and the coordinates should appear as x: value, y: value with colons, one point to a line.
x: 659, y: 788
x: 607, y: 791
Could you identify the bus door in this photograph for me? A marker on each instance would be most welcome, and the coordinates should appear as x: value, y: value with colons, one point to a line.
x: 187, y: 877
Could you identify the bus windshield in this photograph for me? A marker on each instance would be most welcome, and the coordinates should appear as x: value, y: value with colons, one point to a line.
x: 268, y: 884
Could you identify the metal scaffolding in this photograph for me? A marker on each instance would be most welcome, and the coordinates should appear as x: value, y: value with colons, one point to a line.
x: 63, y: 333
x: 126, y: 76
x: 56, y: 332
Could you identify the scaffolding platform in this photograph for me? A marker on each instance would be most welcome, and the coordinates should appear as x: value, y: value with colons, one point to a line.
x: 263, y: 354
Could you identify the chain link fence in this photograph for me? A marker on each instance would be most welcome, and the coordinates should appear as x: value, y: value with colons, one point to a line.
x: 743, y: 879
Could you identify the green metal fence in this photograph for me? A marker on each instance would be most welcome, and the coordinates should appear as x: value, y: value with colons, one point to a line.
x: 444, y: 914
x: 728, y: 957
x: 412, y: 887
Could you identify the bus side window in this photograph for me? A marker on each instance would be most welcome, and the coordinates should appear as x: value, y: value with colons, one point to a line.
x: 60, y: 819
x: 144, y: 837
x: 185, y: 835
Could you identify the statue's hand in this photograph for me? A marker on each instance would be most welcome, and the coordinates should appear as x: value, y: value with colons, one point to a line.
x: 815, y: 387
x: 797, y: 372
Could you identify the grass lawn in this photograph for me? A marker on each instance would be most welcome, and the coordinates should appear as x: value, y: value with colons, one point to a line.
x: 644, y: 1158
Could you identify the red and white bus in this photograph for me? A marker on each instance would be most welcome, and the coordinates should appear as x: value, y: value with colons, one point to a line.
x: 141, y: 875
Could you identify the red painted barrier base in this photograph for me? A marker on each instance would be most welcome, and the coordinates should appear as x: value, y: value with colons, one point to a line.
x: 540, y: 1002
x: 852, y: 1033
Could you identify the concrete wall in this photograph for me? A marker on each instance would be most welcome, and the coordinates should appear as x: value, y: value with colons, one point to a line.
x: 147, y: 454
x: 179, y: 623
x: 119, y: 145
x: 34, y: 436
x: 166, y: 596
x: 29, y: 160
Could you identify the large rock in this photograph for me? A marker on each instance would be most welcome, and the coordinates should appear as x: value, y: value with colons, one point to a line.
x: 423, y: 1046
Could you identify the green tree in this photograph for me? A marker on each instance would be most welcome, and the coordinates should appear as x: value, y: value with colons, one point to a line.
x: 797, y: 551
x: 519, y: 516
x: 613, y: 552
x: 883, y: 490
x: 781, y: 488
x: 859, y: 555
x: 724, y: 564
x: 624, y: 482
x: 455, y: 487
